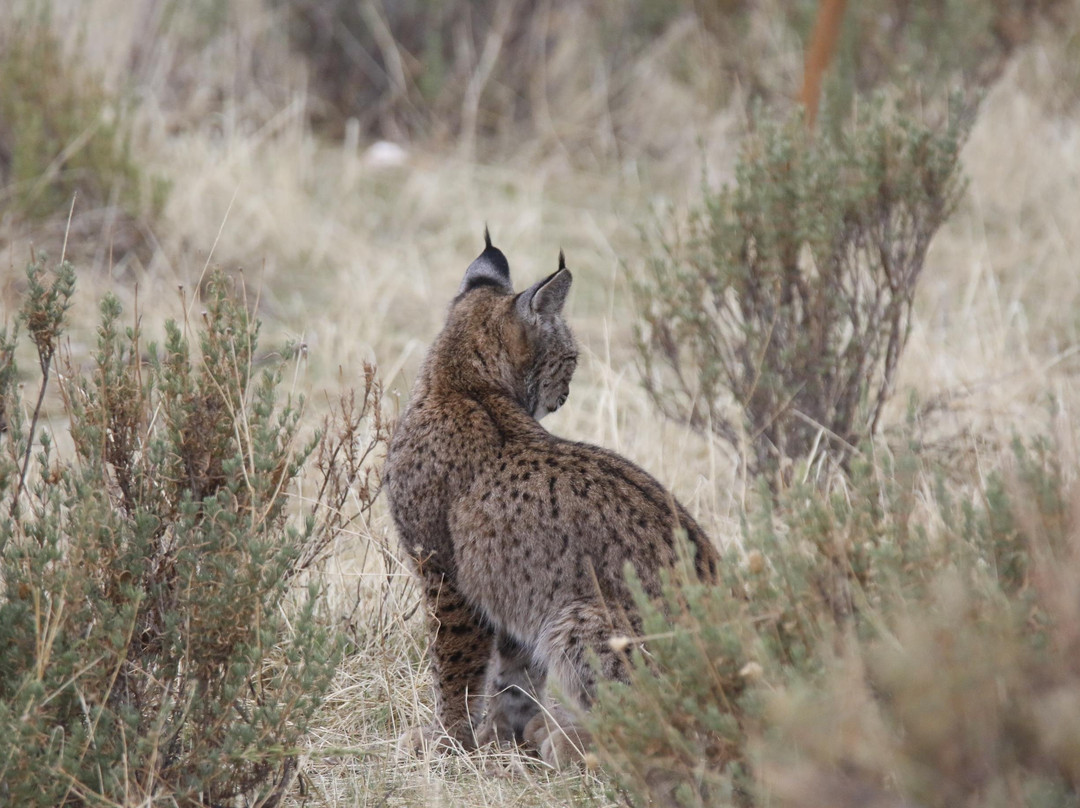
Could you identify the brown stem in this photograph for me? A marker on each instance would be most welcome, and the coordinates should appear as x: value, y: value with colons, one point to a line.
x: 819, y: 54
x: 46, y: 361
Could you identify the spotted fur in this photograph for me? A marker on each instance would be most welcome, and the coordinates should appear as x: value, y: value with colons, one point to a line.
x: 520, y: 537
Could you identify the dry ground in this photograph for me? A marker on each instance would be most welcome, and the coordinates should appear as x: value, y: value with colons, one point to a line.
x: 359, y: 261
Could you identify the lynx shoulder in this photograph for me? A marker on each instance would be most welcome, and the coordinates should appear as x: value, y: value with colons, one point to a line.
x: 519, y: 537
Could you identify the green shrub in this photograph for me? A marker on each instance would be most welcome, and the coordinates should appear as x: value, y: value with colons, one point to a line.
x: 968, y: 694
x: 870, y: 645
x: 157, y: 641
x: 789, y: 294
x: 60, y: 132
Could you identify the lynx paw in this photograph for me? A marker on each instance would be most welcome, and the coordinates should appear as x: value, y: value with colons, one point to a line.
x: 559, y: 739
x: 492, y: 731
x: 506, y: 719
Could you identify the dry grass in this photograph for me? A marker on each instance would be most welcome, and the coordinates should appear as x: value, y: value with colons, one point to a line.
x: 359, y: 261
x: 995, y: 325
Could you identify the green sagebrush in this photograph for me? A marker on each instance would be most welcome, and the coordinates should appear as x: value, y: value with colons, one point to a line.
x: 157, y: 642
x: 776, y: 317
x: 62, y: 134
x: 886, y: 644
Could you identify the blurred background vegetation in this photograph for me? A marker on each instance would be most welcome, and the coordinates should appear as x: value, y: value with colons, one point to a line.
x: 593, y: 83
x: 851, y: 351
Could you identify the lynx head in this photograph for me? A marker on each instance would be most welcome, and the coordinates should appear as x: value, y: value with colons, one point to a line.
x: 517, y: 342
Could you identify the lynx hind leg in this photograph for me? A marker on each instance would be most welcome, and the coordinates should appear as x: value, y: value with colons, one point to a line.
x: 460, y: 647
x: 515, y: 684
x: 558, y: 737
x: 578, y: 638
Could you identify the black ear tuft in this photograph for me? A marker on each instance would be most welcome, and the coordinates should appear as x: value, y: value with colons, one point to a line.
x: 489, y: 269
x: 562, y: 260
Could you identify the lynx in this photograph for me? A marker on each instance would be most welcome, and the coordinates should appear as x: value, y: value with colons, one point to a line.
x: 520, y: 538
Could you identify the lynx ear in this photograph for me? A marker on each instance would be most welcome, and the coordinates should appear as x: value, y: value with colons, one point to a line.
x: 547, y: 297
x: 489, y: 269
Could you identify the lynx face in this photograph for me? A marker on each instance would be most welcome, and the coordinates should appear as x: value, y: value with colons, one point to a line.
x: 520, y: 342
x: 547, y: 384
